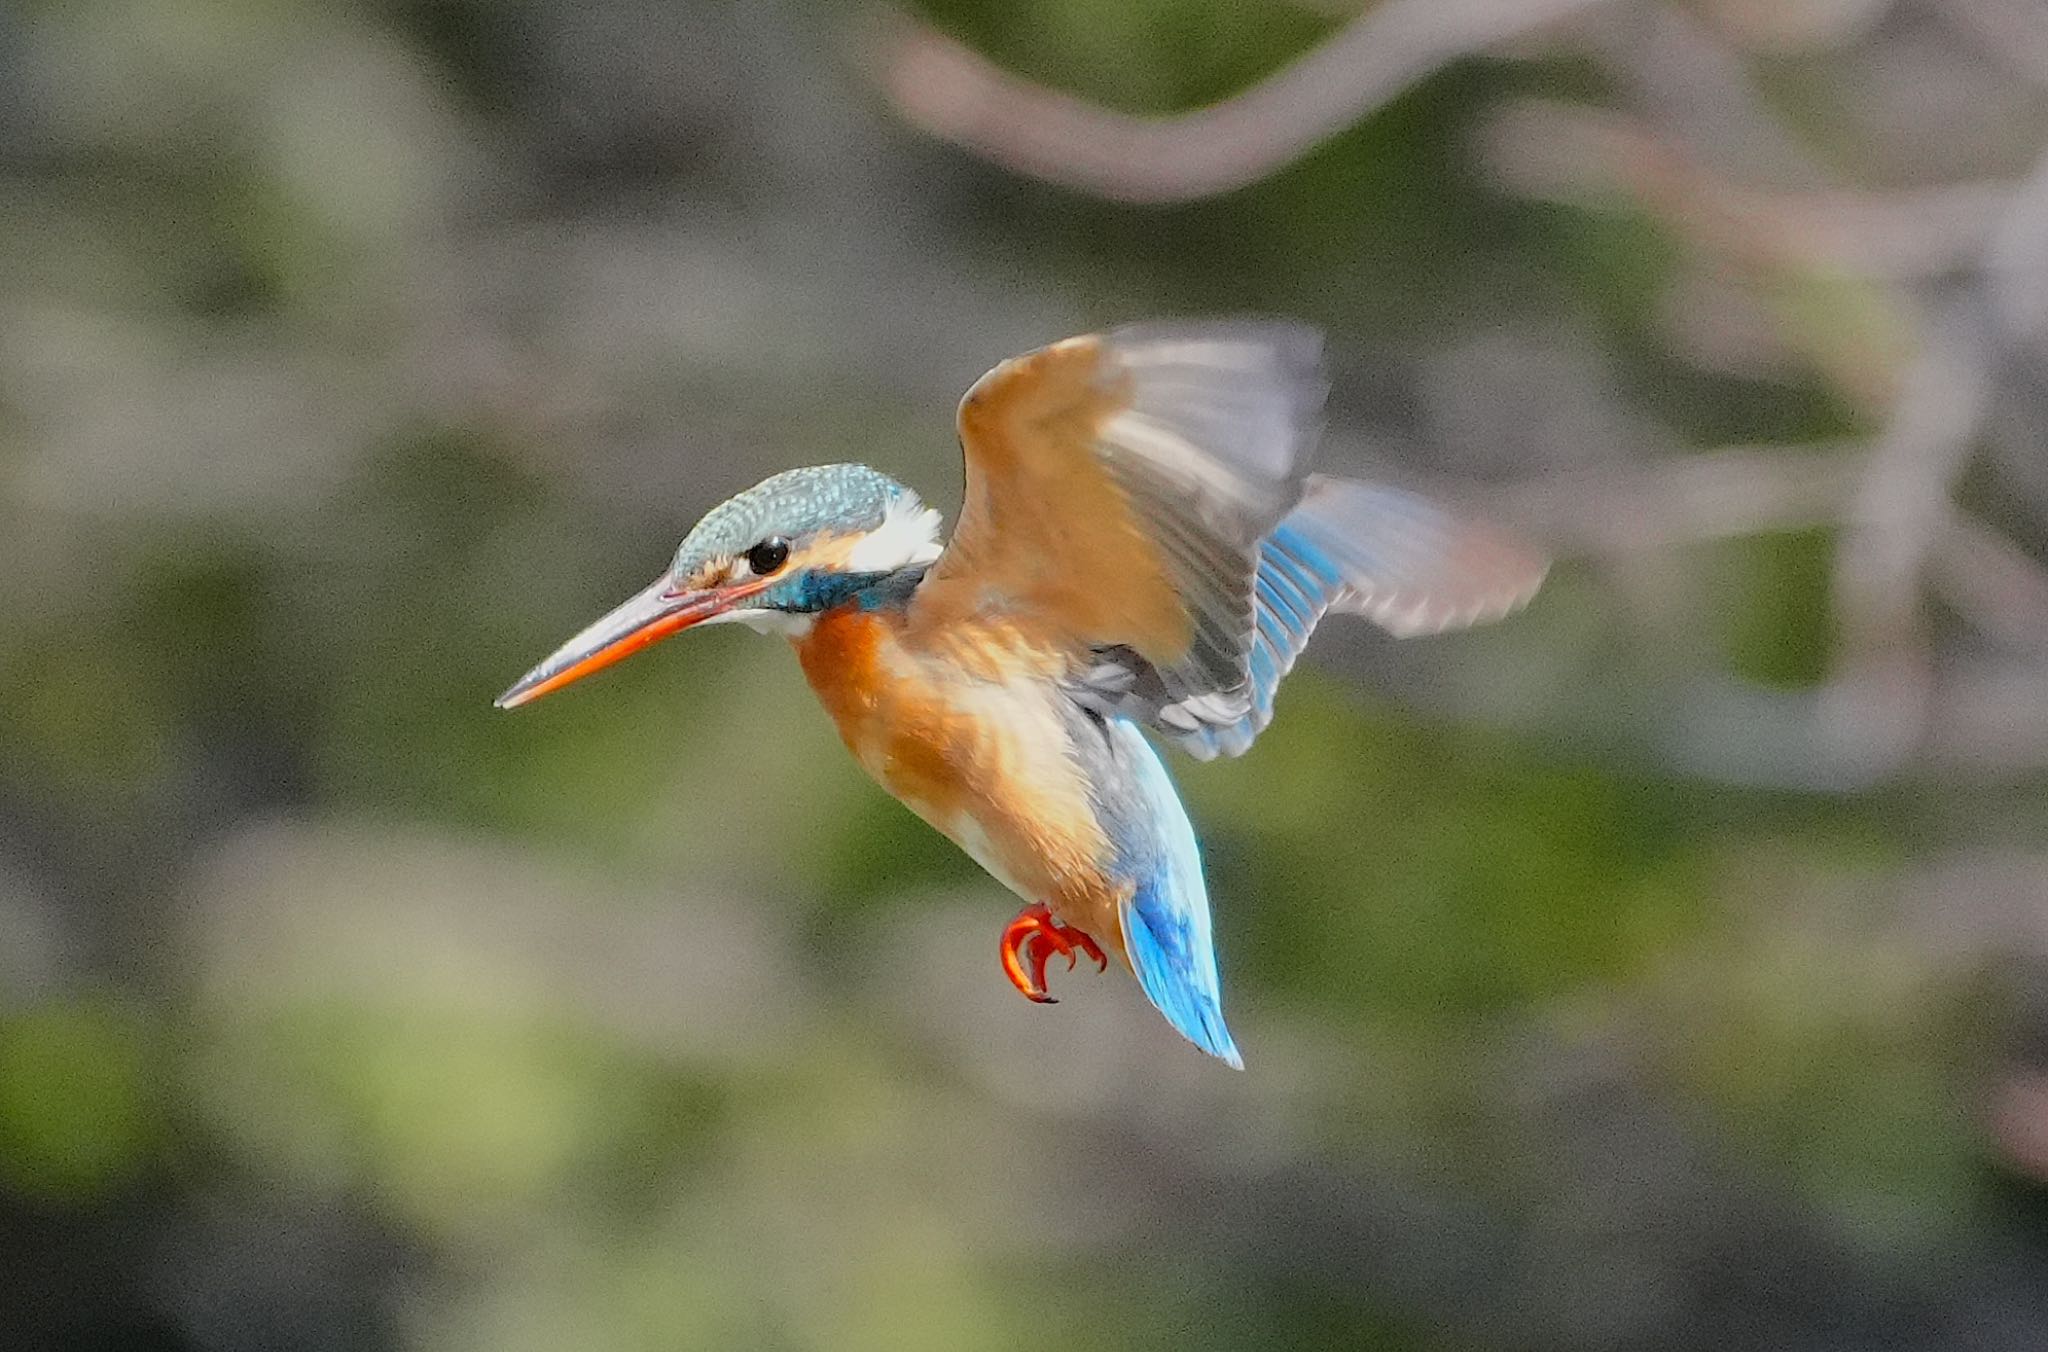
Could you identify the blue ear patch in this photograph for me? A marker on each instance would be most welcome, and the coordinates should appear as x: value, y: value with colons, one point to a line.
x: 813, y: 590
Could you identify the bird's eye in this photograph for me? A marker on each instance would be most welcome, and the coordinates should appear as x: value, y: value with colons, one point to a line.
x: 769, y: 555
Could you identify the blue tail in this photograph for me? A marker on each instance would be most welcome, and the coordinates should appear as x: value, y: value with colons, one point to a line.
x: 1166, y: 921
x: 1177, y: 970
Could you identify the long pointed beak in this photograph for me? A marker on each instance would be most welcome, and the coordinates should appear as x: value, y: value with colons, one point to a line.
x: 648, y: 617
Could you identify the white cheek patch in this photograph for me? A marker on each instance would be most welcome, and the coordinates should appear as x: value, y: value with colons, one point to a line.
x: 908, y: 535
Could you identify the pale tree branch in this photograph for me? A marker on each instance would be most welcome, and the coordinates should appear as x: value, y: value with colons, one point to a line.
x: 1877, y: 701
x: 1699, y: 90
x: 2011, y: 32
x: 1688, y: 499
x: 1552, y: 151
x: 1996, y: 586
x: 954, y: 93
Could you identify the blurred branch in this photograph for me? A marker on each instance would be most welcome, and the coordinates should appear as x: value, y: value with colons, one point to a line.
x: 2011, y: 32
x: 1711, y: 495
x: 1794, y: 27
x: 1889, y: 704
x: 1557, y: 152
x: 1699, y: 90
x: 1993, y: 584
x: 954, y: 93
x: 1877, y: 700
x: 1990, y: 723
x: 2015, y: 260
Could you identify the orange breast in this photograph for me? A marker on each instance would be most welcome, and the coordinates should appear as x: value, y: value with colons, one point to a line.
x: 983, y: 757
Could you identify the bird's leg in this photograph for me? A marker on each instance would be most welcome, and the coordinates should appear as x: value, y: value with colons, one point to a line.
x: 1031, y: 940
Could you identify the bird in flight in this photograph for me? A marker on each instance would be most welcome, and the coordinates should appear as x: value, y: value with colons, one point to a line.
x: 1142, y: 548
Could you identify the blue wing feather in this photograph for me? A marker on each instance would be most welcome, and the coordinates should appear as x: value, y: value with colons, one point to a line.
x: 1295, y: 586
x: 1393, y: 556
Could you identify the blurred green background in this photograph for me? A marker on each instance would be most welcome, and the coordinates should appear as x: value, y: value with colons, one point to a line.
x: 1666, y: 968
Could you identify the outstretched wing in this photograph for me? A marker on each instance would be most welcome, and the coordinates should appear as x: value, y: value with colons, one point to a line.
x: 1403, y: 562
x: 1117, y: 490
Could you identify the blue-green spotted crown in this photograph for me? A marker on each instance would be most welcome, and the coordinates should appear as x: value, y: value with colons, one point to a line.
x: 792, y: 504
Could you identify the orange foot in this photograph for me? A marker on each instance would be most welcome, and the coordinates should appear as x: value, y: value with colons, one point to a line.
x: 1031, y: 940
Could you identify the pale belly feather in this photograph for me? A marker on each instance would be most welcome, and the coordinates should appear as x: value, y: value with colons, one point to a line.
x: 989, y: 764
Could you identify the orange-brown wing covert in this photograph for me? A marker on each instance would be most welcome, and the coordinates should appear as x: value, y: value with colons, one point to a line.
x: 1117, y: 488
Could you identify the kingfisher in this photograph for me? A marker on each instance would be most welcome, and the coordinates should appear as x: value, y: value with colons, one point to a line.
x: 1142, y: 551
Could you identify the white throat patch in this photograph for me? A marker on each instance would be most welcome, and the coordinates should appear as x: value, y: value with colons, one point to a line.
x: 787, y: 622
